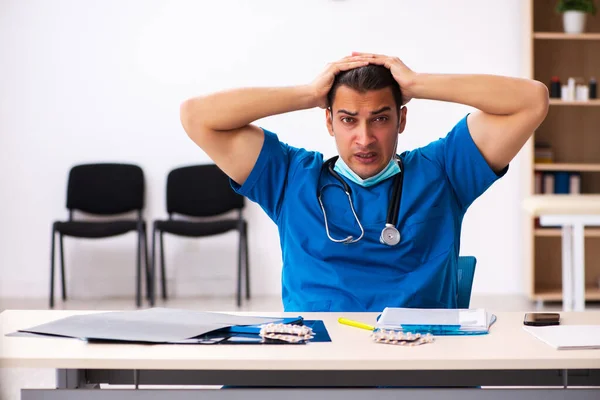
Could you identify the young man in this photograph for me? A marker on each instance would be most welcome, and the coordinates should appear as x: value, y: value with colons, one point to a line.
x: 369, y: 229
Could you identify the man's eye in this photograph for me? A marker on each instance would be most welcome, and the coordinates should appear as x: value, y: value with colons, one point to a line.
x: 347, y: 120
x: 381, y: 119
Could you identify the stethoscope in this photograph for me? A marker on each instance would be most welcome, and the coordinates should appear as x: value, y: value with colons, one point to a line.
x: 389, y: 234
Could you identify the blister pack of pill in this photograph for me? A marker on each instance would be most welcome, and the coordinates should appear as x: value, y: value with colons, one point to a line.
x: 400, y: 338
x: 287, y: 332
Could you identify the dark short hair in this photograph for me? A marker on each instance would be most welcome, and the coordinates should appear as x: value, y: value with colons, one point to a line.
x: 363, y: 79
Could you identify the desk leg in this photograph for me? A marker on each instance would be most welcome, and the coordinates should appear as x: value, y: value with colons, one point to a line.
x: 69, y: 378
x: 567, y: 267
x: 578, y: 267
x: 73, y: 379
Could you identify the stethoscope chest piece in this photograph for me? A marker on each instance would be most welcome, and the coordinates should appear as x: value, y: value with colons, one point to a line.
x: 390, y: 235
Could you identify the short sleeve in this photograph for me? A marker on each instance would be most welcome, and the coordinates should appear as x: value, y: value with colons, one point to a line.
x: 267, y: 181
x: 467, y: 171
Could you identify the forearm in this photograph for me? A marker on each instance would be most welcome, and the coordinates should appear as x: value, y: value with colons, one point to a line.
x: 233, y: 109
x: 491, y: 94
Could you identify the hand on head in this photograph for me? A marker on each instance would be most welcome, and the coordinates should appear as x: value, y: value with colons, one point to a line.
x: 401, y: 73
x: 324, y: 81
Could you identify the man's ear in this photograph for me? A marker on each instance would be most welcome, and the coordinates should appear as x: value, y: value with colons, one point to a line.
x: 329, y: 121
x: 402, y: 119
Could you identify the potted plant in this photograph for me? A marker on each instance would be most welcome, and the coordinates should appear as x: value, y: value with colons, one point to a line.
x: 574, y: 13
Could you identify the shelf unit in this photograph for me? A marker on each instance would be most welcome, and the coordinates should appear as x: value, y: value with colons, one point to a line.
x: 589, y: 103
x: 555, y: 232
x: 576, y: 167
x: 566, y: 36
x: 572, y: 129
x: 555, y: 294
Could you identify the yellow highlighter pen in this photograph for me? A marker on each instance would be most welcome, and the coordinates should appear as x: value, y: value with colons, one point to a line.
x: 355, y: 324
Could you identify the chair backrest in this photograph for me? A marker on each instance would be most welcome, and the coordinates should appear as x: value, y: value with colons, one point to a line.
x: 105, y: 189
x: 466, y: 272
x: 201, y: 191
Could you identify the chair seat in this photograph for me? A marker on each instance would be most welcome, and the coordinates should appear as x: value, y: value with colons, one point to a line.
x: 95, y: 229
x: 196, y: 229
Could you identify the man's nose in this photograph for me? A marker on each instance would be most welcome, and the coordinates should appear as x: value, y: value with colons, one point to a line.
x: 364, y: 137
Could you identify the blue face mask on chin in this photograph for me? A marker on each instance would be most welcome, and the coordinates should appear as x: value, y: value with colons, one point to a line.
x: 390, y: 170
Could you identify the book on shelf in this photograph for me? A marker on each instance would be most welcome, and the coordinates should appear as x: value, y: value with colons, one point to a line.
x: 548, y: 183
x: 543, y: 153
x: 557, y: 182
x: 575, y: 183
x: 537, y: 182
x: 561, y: 182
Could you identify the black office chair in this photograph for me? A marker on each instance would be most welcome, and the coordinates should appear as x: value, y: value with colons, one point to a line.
x: 103, y: 190
x: 201, y: 191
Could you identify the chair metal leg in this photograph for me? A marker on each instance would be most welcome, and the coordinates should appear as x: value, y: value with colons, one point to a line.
x: 246, y: 263
x: 239, y: 271
x: 52, y: 269
x: 138, y: 272
x: 62, y: 268
x: 153, y: 269
x: 162, y: 267
x: 149, y: 287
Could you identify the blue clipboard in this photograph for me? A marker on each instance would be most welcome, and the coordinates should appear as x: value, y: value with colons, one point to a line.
x: 249, y: 334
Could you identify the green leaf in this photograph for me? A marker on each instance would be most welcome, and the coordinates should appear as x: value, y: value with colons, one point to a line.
x: 586, y: 6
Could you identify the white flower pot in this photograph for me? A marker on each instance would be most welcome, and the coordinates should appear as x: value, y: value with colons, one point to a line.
x: 574, y: 21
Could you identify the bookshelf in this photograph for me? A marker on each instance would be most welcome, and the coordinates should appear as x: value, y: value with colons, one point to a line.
x: 555, y: 232
x: 572, y: 130
x: 589, y: 103
x: 575, y: 167
x: 566, y: 36
x: 555, y: 294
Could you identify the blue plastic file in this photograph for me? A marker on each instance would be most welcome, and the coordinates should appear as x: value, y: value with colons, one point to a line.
x: 437, y: 321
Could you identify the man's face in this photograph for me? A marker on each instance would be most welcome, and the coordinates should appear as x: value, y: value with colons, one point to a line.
x: 366, y: 128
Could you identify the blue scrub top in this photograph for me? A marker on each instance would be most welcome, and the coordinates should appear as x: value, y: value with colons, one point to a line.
x: 441, y: 180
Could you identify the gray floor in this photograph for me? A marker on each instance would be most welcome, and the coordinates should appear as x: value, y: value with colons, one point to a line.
x: 13, y: 379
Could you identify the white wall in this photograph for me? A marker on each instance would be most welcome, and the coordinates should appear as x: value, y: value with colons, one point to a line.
x: 88, y: 81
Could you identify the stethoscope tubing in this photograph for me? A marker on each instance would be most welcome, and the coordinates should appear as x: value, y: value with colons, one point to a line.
x: 389, y: 234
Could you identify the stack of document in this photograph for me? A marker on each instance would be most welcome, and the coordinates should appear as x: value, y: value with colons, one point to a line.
x: 437, y: 321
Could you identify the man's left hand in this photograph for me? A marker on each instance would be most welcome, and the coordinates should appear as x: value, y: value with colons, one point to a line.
x: 401, y: 73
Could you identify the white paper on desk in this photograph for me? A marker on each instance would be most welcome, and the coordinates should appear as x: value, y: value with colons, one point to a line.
x: 565, y: 337
x: 475, y: 318
x: 154, y: 325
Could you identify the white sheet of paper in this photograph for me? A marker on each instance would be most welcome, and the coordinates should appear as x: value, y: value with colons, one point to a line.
x: 564, y: 337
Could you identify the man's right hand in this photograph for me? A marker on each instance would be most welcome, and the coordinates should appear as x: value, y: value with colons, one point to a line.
x: 221, y: 123
x: 322, y: 84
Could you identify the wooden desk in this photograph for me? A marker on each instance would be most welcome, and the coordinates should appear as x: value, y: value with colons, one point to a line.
x: 508, y: 356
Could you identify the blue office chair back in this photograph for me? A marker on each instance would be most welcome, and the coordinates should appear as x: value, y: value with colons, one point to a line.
x: 466, y: 272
